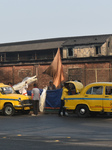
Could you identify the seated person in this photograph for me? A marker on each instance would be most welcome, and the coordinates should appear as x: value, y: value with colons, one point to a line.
x: 72, y: 89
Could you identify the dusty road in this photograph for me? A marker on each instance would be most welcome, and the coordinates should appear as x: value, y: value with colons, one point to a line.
x: 48, y: 131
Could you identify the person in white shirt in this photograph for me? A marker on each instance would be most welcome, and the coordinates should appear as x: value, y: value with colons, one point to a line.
x: 35, y: 98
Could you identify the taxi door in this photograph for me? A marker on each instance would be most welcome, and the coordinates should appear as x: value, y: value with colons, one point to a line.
x: 94, y: 98
x: 107, y: 100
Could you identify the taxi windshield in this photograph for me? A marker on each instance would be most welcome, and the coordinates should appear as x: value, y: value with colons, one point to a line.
x: 7, y: 90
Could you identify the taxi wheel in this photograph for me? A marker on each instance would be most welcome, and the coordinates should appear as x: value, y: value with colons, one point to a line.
x: 82, y: 111
x: 8, y: 110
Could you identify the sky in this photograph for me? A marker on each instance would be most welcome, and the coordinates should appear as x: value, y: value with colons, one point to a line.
x: 26, y: 20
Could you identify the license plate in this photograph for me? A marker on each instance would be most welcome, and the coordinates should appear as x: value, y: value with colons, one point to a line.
x: 26, y: 108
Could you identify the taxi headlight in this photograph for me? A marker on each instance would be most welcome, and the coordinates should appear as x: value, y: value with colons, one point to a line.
x: 19, y: 99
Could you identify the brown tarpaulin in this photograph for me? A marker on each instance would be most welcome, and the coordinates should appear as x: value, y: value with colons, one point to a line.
x: 55, y: 70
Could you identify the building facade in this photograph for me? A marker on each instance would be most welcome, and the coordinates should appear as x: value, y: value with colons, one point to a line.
x: 84, y: 58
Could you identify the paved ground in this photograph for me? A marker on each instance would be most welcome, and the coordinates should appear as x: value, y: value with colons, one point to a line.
x: 48, y: 131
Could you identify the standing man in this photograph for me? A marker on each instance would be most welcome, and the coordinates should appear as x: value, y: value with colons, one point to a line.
x: 51, y: 86
x: 64, y: 94
x: 35, y: 97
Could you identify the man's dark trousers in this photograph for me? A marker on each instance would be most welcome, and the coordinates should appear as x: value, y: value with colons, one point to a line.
x: 35, y: 106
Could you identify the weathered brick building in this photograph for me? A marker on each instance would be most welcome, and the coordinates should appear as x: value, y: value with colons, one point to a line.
x: 85, y: 58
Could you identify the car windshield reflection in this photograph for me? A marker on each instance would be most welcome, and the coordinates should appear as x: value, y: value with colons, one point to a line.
x: 7, y: 90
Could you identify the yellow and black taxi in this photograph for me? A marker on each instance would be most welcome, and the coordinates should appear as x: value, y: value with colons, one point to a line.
x: 10, y: 101
x: 94, y: 98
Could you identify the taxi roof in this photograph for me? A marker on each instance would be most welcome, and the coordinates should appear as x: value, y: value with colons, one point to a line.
x: 96, y: 84
x: 3, y: 85
x: 101, y: 83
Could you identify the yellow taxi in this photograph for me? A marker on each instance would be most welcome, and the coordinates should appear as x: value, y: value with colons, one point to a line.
x: 94, y: 98
x: 10, y: 101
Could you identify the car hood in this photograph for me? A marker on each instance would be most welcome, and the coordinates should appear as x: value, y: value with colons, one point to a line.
x: 16, y: 96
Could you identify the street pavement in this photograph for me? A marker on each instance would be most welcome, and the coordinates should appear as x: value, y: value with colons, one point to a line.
x: 49, y: 131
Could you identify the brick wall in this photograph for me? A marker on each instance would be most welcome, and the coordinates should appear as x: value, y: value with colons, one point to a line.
x: 86, y: 72
x: 97, y: 72
x: 6, y: 74
x: 43, y: 79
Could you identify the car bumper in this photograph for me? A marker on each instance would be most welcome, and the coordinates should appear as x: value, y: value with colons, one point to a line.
x: 25, y: 107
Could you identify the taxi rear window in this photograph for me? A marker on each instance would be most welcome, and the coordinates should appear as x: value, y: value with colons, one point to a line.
x: 108, y: 90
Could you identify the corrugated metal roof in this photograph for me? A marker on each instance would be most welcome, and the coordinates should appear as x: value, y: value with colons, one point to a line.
x: 30, y: 47
x: 54, y: 43
x: 86, y: 40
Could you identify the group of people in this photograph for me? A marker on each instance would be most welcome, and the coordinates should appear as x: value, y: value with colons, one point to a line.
x: 35, y: 96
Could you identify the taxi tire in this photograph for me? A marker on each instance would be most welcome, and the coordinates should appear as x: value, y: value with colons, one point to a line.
x: 8, y: 110
x: 82, y: 111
